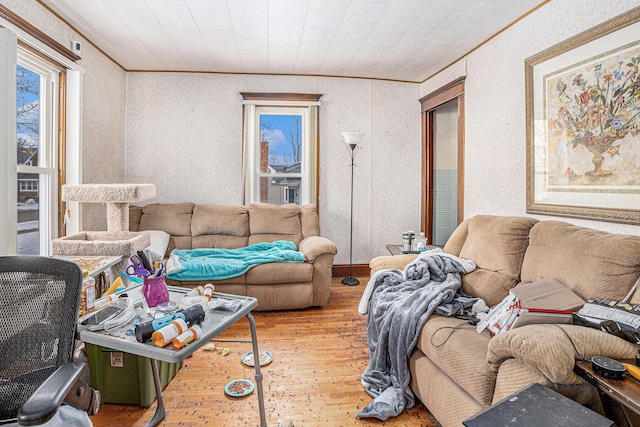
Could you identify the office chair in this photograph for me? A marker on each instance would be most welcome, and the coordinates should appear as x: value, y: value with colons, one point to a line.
x: 39, y: 302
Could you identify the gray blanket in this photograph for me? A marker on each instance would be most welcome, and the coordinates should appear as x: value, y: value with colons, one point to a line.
x: 400, y: 304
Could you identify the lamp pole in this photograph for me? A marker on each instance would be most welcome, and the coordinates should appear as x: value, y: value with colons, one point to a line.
x: 352, y: 139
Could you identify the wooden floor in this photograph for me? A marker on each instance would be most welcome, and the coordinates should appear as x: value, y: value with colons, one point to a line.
x: 318, y: 357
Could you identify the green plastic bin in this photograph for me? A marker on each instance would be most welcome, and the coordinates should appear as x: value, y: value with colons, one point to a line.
x: 124, y: 378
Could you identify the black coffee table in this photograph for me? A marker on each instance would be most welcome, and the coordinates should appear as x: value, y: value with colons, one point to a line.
x: 537, y: 405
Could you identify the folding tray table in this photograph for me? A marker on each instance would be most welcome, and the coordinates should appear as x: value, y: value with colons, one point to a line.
x: 215, y: 322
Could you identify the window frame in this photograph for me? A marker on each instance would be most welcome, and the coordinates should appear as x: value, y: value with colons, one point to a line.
x: 15, y: 31
x: 305, y: 145
x: 47, y: 168
x: 305, y: 105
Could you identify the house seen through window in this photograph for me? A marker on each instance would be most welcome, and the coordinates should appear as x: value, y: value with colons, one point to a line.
x: 280, y: 146
x: 37, y: 91
x: 280, y: 158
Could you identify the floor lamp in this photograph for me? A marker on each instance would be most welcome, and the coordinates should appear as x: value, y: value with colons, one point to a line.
x: 352, y: 139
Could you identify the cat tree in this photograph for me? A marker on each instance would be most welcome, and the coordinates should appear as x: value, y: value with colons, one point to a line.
x: 117, y: 240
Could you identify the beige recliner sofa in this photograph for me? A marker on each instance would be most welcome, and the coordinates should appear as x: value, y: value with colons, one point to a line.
x: 277, y: 286
x: 459, y: 375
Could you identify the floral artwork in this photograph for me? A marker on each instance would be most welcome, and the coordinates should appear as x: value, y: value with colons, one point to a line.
x: 583, y: 124
x: 594, y: 122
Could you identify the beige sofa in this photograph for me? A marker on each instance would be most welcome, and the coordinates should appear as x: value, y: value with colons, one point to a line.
x: 277, y: 286
x: 458, y: 376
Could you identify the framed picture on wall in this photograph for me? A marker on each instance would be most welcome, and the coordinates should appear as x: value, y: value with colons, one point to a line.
x: 583, y: 124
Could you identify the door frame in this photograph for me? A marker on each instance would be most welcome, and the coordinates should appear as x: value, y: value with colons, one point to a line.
x: 428, y: 104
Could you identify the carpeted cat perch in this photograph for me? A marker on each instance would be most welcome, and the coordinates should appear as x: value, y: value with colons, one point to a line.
x: 117, y: 240
x: 116, y: 196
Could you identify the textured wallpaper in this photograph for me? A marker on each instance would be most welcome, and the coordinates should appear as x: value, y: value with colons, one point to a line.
x: 184, y: 134
x: 495, y: 132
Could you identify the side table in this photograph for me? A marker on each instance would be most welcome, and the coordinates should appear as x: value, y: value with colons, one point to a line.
x: 617, y: 396
x: 537, y: 405
x: 397, y: 249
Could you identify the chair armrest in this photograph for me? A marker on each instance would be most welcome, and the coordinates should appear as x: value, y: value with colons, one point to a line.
x: 314, y: 246
x: 391, y: 262
x: 549, y: 349
x: 63, y: 385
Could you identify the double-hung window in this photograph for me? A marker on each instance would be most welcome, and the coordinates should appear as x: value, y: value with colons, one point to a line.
x: 38, y: 83
x: 280, y: 148
x: 40, y: 99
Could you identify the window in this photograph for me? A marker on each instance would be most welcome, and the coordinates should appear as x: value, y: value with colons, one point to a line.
x: 280, y: 148
x: 28, y: 185
x: 40, y: 100
x: 37, y: 85
x: 292, y: 194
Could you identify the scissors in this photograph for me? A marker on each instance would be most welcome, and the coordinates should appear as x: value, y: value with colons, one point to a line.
x: 159, y: 267
x: 136, y: 267
x: 145, y: 261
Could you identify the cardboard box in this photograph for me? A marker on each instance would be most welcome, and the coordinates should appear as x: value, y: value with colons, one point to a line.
x: 547, y: 295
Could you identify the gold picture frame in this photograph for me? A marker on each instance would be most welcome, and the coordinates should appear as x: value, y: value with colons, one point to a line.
x: 583, y: 124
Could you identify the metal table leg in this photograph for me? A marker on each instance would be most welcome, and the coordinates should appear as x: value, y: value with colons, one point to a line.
x: 258, y: 374
x: 160, y: 411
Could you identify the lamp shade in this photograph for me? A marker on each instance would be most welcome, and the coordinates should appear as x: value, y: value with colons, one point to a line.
x: 352, y: 137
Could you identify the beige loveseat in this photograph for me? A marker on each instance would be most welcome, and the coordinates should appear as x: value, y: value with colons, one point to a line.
x: 458, y: 376
x: 277, y: 286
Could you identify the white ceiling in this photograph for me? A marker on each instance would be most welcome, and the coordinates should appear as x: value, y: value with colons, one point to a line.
x: 406, y: 40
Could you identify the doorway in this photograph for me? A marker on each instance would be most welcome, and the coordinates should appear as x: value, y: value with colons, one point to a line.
x: 443, y: 162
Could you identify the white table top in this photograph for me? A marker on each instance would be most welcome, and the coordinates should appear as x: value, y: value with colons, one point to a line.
x: 215, y: 322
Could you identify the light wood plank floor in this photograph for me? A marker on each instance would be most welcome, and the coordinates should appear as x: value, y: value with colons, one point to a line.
x: 318, y: 357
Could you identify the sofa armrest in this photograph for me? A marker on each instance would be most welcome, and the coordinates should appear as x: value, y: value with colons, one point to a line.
x: 391, y: 262
x: 314, y: 246
x: 549, y: 349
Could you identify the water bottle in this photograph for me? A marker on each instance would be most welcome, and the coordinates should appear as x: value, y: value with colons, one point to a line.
x: 420, y: 243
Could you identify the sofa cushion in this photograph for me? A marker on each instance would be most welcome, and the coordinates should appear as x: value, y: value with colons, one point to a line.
x: 280, y: 272
x: 233, y: 281
x: 173, y: 218
x: 135, y: 213
x: 460, y: 353
x: 457, y: 238
x: 282, y: 297
x: 274, y: 222
x: 553, y: 350
x: 591, y: 263
x: 497, y: 245
x: 220, y: 226
x: 515, y: 375
x: 394, y: 262
x: 309, y: 220
x: 446, y: 400
x: 492, y: 287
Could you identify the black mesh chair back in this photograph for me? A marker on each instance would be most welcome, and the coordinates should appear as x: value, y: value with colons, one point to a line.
x: 39, y: 301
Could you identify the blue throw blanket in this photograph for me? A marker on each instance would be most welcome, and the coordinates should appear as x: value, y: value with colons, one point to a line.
x: 219, y: 264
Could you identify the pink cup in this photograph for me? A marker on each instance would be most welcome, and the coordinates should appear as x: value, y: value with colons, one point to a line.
x: 155, y: 290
